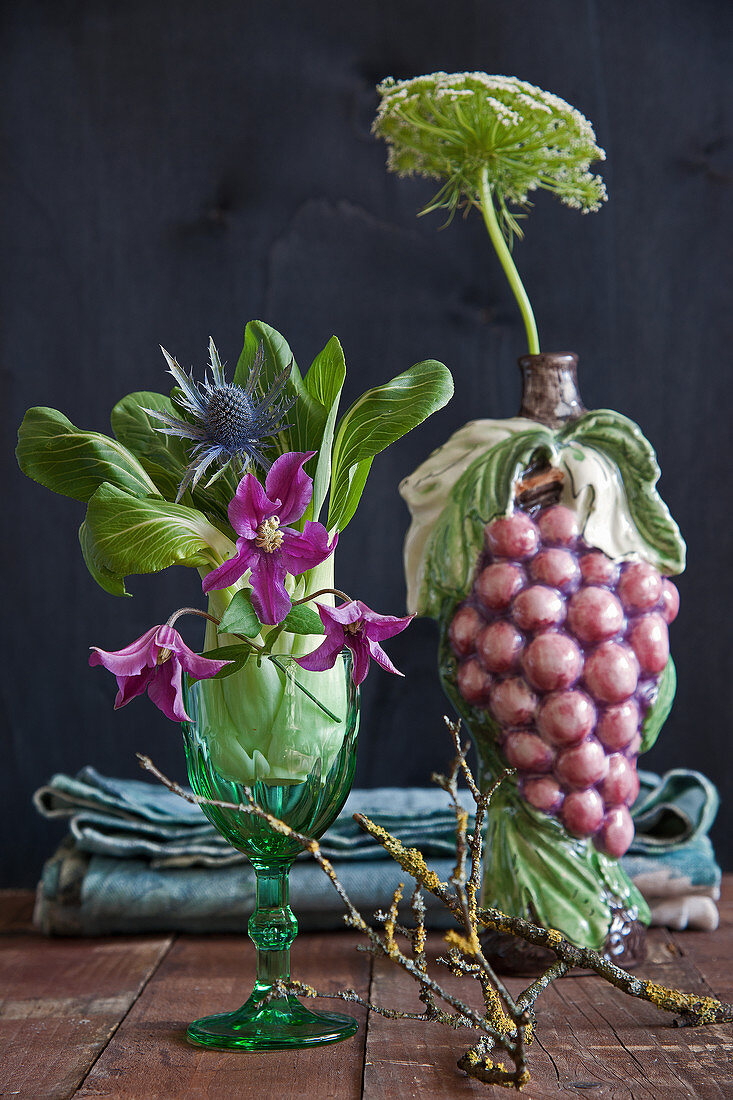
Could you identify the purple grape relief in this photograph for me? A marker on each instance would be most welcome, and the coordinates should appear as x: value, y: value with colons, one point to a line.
x: 565, y: 648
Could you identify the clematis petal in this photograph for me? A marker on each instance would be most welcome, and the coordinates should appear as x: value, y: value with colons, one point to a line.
x: 202, y: 668
x: 379, y: 627
x: 132, y: 686
x: 232, y: 569
x: 358, y: 646
x: 364, y: 642
x: 287, y: 482
x: 325, y: 656
x: 343, y: 615
x: 130, y: 660
x: 381, y: 657
x: 167, y: 637
x: 300, y: 552
x: 166, y: 690
x: 250, y: 506
x: 269, y: 596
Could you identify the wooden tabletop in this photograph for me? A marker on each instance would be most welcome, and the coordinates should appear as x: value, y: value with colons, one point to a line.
x: 106, y: 1018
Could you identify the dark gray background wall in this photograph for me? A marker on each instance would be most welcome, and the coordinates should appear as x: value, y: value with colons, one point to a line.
x: 172, y: 169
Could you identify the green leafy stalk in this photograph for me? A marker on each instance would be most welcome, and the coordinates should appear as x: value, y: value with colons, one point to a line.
x: 378, y: 418
x: 345, y: 447
x: 127, y: 534
x: 74, y: 462
x: 506, y: 261
x: 136, y: 522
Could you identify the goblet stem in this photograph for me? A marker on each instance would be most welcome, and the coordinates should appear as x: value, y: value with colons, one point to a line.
x: 282, y: 1022
x: 272, y: 927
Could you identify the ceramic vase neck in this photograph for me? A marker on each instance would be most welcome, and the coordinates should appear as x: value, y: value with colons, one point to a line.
x: 550, y: 388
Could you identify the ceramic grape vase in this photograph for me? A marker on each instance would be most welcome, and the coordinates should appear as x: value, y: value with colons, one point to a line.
x: 543, y: 549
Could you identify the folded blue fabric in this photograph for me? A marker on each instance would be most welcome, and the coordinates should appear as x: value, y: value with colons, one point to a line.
x: 128, y: 818
x: 100, y: 896
x: 139, y: 858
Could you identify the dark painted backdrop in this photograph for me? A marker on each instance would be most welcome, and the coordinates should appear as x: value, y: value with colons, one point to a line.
x: 171, y: 168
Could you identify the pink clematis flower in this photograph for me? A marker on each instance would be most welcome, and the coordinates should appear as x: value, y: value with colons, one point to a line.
x: 155, y: 662
x: 359, y: 628
x: 266, y: 545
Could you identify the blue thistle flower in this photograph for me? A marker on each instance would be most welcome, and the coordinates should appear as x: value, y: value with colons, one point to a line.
x: 230, y: 423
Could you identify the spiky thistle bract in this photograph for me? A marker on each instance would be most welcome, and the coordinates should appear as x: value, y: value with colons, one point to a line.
x: 229, y: 424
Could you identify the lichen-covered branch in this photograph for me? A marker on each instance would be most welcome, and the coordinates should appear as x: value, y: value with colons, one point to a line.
x: 693, y: 1008
x: 386, y: 944
x: 506, y: 1025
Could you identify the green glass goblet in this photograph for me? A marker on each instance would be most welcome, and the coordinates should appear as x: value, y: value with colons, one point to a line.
x: 289, y: 737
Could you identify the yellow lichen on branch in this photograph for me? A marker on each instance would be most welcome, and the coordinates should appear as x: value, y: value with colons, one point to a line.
x: 391, y: 921
x: 498, y: 1018
x: 469, y: 946
x: 705, y: 1010
x: 410, y: 859
x: 485, y: 1069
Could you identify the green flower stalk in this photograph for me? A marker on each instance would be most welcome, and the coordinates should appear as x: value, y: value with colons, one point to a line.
x: 492, y: 141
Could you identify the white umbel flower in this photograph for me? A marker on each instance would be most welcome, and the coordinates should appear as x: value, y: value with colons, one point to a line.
x: 454, y: 126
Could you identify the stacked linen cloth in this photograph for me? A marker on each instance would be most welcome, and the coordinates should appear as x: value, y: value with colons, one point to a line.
x: 139, y: 858
x: 671, y: 860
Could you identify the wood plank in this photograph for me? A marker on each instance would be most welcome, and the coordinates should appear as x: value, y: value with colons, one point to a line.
x: 149, y: 1055
x: 590, y: 1037
x: 62, y: 999
x: 16, y: 911
x: 416, y: 1059
x: 407, y: 1058
x: 599, y: 1039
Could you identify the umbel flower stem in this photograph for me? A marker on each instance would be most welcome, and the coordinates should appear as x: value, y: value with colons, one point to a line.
x: 491, y: 141
x: 505, y: 258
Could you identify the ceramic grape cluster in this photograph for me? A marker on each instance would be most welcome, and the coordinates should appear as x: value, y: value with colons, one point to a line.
x: 565, y: 647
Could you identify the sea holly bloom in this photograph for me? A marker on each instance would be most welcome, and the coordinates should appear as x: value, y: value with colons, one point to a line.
x: 266, y: 545
x: 230, y: 423
x: 155, y: 663
x: 360, y: 629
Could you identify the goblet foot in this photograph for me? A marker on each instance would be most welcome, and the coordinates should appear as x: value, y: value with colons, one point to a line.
x: 282, y: 1024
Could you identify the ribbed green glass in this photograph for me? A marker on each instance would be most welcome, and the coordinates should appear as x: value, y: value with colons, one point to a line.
x: 309, y: 802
